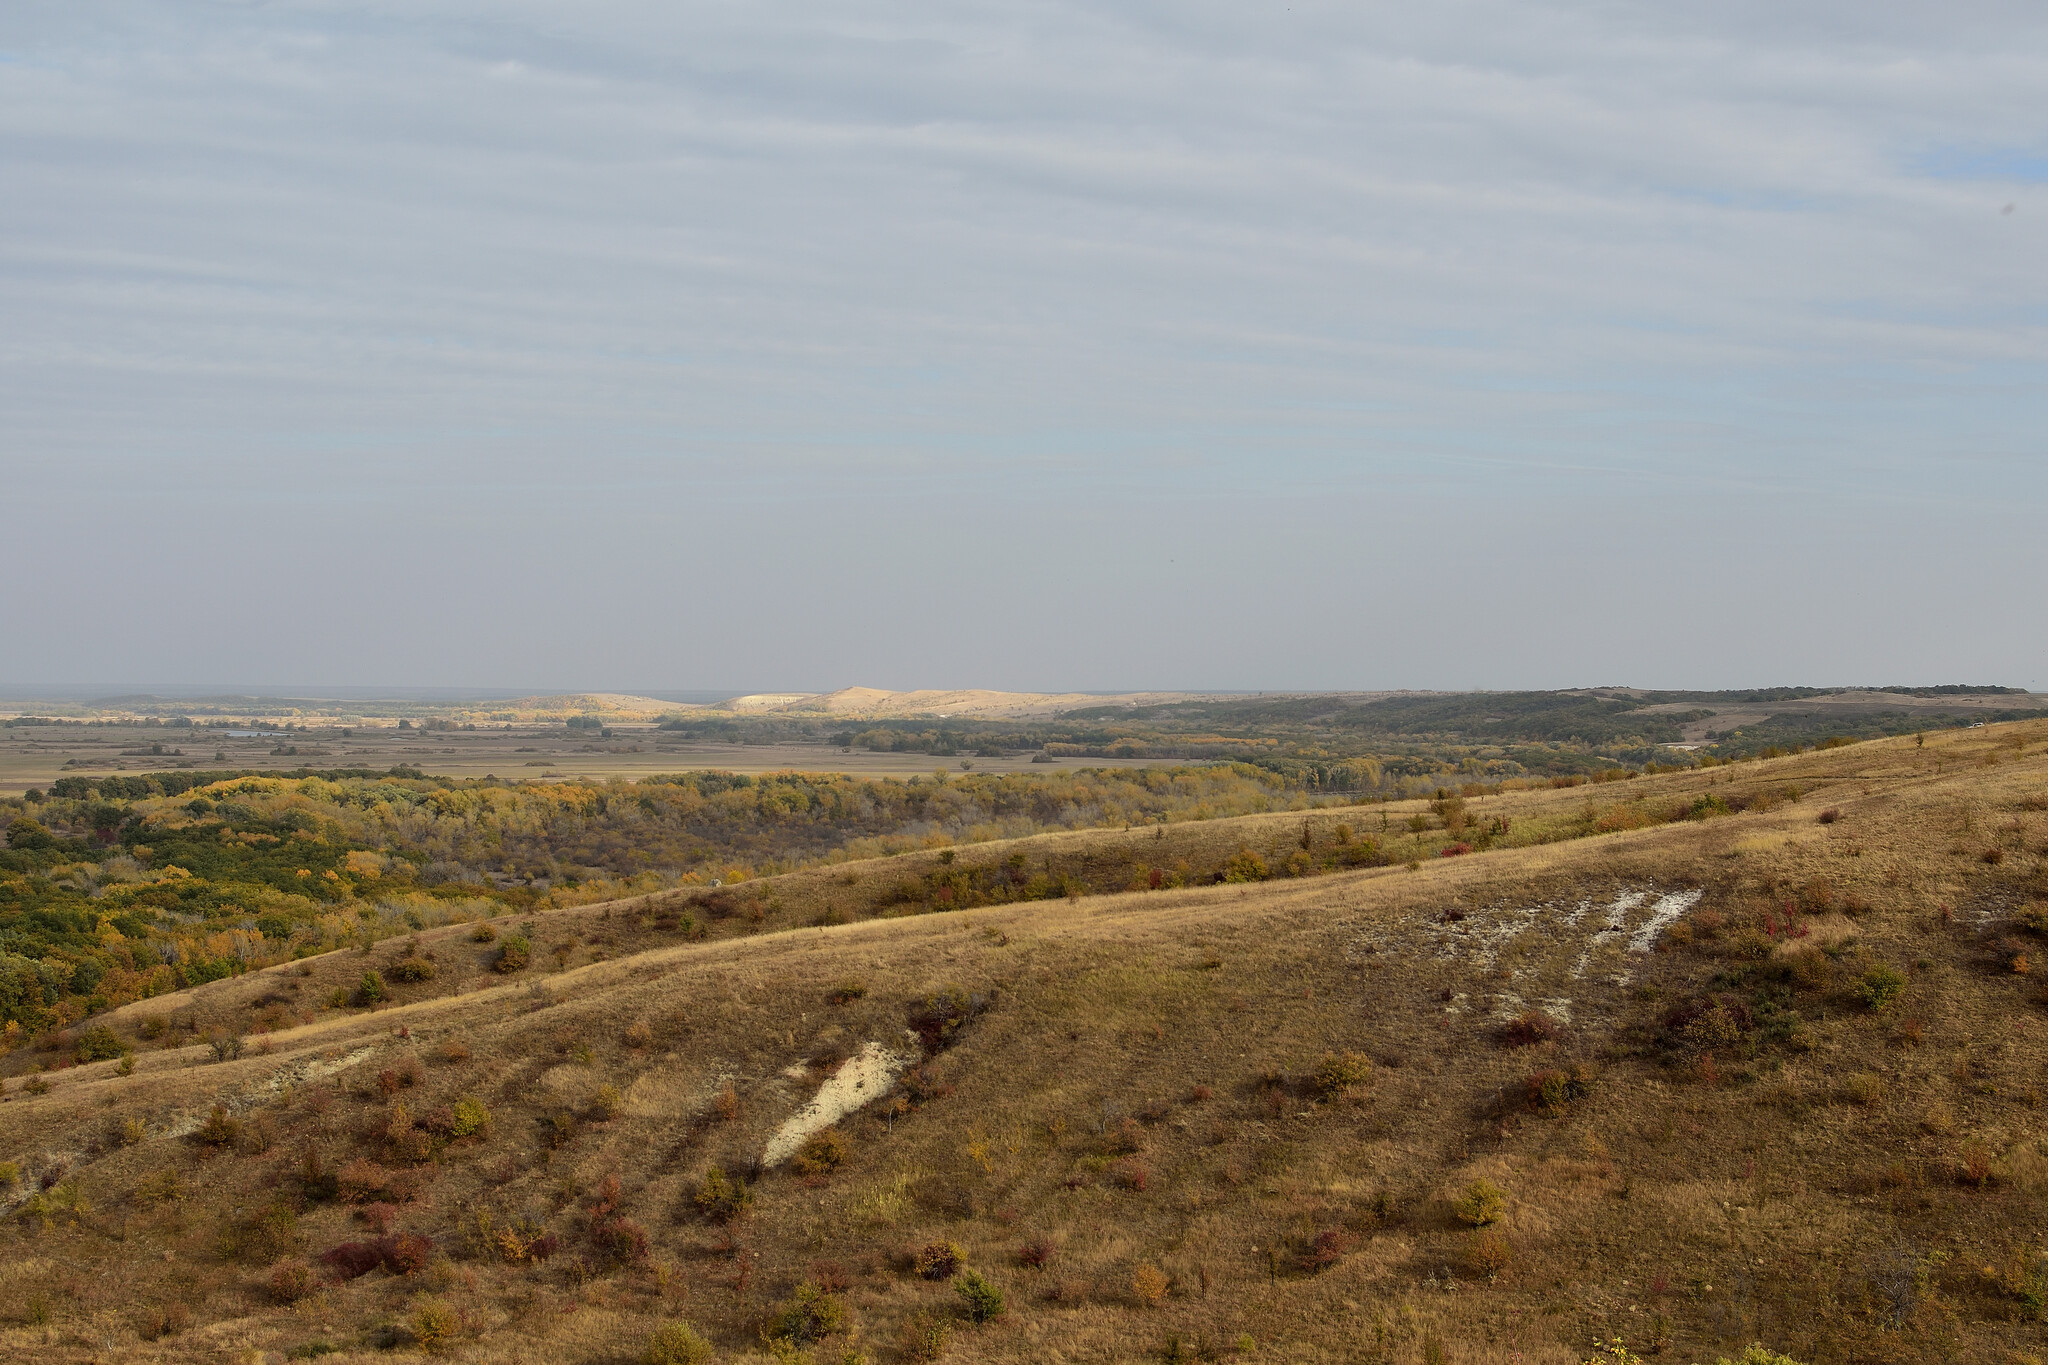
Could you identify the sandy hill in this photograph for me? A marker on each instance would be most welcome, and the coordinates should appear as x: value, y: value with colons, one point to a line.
x: 1758, y: 1058
x: 978, y: 703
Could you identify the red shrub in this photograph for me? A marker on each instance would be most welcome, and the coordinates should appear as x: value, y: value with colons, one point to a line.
x: 409, y: 1254
x: 1529, y: 1028
x: 1330, y: 1246
x: 353, y: 1259
x: 1453, y: 850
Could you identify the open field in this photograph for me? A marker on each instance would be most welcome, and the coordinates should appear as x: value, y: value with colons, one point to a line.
x: 1771, y: 1074
x: 1385, y: 743
x: 36, y: 757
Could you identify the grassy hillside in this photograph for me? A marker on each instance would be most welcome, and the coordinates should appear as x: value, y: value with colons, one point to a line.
x: 1750, y: 1053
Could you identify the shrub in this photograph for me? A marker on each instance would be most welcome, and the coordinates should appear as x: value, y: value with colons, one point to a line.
x: 434, y: 1324
x: 1863, y: 1088
x: 1330, y: 1246
x: 938, y: 1260
x: 1756, y: 1353
x: 483, y: 933
x: 225, y: 1046
x: 165, y: 1187
x: 100, y: 1044
x: 1131, y: 1174
x: 1530, y: 1028
x: 639, y: 1035
x: 409, y: 1254
x: 1246, y: 866
x: 220, y: 1129
x: 513, y: 954
x: 620, y: 1238
x: 1035, y: 1253
x: 808, y: 1316
x: 1341, y: 1071
x: 1149, y: 1285
x: 165, y: 1320
x: 924, y: 1337
x: 412, y: 969
x: 606, y: 1104
x: 722, y: 1198
x: 291, y: 1281
x: 937, y: 1017
x: 1550, y: 1091
x: 468, y: 1117
x: 1488, y: 1253
x: 370, y: 989
x: 675, y: 1343
x: 821, y: 1153
x: 980, y: 1298
x: 1880, y: 986
x: 352, y: 1260
x: 846, y: 992
x: 1482, y: 1203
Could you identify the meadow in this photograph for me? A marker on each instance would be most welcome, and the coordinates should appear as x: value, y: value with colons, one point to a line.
x: 1656, y: 1067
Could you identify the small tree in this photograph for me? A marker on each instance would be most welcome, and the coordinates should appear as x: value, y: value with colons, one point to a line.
x: 370, y: 989
x: 808, y: 1316
x: 1481, y: 1203
x: 676, y: 1343
x: 979, y: 1295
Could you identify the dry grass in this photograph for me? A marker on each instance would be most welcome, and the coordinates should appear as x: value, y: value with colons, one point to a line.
x: 1736, y: 1148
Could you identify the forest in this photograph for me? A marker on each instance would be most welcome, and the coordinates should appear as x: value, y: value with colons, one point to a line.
x: 118, y: 887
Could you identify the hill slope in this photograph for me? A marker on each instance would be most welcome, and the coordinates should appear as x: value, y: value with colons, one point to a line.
x: 1771, y: 1075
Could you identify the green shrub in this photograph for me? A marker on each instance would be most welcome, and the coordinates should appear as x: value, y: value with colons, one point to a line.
x: 723, y: 1198
x: 220, y: 1129
x: 412, y: 969
x: 100, y: 1044
x: 807, y: 1316
x: 370, y: 989
x: 434, y: 1325
x: 605, y: 1104
x: 979, y: 1296
x: 1247, y: 866
x: 676, y: 1343
x: 1756, y: 1353
x: 1340, y: 1071
x: 470, y: 1116
x: 1880, y: 986
x: 483, y: 933
x: 513, y: 954
x: 1481, y: 1203
x: 924, y: 1337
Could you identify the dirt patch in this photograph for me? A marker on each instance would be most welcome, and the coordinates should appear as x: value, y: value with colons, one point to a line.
x: 862, y: 1078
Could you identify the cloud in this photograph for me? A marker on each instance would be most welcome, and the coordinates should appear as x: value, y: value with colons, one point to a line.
x: 520, y: 265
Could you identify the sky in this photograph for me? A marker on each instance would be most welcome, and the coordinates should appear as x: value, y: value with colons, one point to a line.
x: 655, y: 346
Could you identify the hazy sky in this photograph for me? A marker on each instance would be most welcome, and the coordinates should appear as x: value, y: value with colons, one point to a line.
x: 792, y: 345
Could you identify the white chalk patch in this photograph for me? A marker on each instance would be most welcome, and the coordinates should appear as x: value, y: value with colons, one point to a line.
x: 1668, y: 908
x: 862, y: 1078
x: 1617, y: 918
